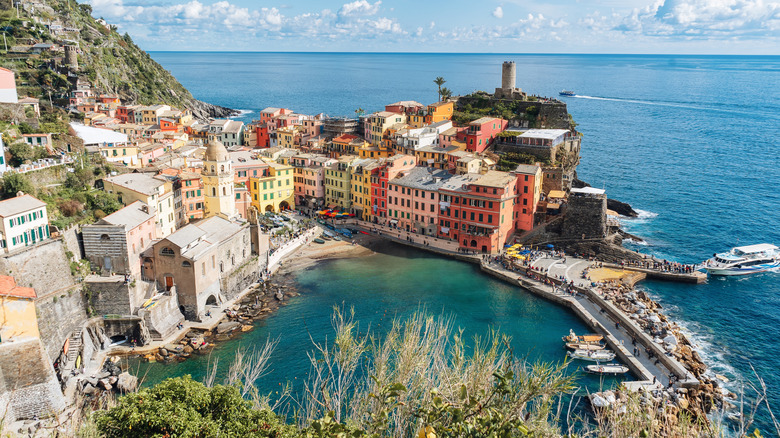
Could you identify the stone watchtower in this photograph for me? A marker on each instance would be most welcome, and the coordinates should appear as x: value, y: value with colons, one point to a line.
x: 218, y: 186
x: 508, y: 75
x: 508, y: 78
x: 71, y: 57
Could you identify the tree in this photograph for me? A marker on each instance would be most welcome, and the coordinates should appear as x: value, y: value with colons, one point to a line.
x: 106, y: 202
x: 360, y: 112
x: 439, y: 81
x: 21, y: 152
x: 80, y: 179
x: 186, y: 408
x: 14, y: 183
x: 445, y: 93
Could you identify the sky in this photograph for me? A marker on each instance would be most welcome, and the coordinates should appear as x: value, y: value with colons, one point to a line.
x: 486, y: 26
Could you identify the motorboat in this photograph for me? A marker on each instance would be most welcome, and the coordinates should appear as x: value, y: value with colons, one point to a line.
x: 567, y: 93
x: 584, y: 339
x: 612, y: 368
x: 587, y: 347
x: 744, y: 260
x: 592, y: 355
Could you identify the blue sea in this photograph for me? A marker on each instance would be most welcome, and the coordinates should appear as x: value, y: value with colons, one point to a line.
x: 689, y: 141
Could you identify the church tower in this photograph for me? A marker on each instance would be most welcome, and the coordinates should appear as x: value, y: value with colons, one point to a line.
x: 218, y: 186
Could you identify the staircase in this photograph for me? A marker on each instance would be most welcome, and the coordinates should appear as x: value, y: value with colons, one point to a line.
x: 74, y: 347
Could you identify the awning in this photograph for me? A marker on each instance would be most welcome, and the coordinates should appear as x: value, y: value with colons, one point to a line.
x: 553, y: 206
x: 445, y: 230
x: 556, y: 194
x: 393, y: 221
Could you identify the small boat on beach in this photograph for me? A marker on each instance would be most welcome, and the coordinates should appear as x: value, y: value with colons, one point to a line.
x: 588, y: 347
x: 567, y: 93
x: 612, y: 368
x: 744, y: 260
x: 318, y: 240
x: 592, y: 355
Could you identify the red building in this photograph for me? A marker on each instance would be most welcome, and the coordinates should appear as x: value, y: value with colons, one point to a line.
x: 380, y: 176
x: 529, y: 190
x: 477, y: 210
x: 481, y: 133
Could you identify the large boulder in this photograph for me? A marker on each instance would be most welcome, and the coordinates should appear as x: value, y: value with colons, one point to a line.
x: 126, y: 382
x: 227, y: 327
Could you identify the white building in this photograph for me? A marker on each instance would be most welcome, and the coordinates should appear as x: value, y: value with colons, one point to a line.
x: 23, y: 222
x: 416, y: 138
x: 228, y: 132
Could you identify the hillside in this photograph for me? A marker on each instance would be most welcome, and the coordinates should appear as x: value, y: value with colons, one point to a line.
x: 111, y: 62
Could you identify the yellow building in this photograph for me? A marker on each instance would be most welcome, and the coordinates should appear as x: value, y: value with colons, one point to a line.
x: 379, y: 123
x: 157, y: 193
x: 125, y: 154
x: 360, y: 190
x: 275, y: 192
x: 286, y: 137
x: 439, y: 112
x: 18, y: 320
x: 338, y: 183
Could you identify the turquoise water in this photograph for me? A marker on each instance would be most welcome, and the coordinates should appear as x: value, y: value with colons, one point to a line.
x: 395, y: 282
x: 692, y: 141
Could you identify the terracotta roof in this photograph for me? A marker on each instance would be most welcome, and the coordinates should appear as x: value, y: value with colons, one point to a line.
x: 345, y: 138
x: 9, y: 288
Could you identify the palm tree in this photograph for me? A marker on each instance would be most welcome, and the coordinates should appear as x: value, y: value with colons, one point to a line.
x: 360, y: 112
x: 439, y: 81
x: 445, y: 94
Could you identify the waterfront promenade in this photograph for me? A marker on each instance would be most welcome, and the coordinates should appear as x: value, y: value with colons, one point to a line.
x: 550, y: 270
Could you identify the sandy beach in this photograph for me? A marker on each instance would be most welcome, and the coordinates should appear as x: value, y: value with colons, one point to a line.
x: 331, y: 249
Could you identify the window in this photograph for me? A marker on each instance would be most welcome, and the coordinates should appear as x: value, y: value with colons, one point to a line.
x: 186, y: 264
x: 167, y: 251
x: 104, y: 237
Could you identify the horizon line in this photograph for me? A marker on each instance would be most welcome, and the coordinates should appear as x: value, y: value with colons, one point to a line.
x: 460, y: 53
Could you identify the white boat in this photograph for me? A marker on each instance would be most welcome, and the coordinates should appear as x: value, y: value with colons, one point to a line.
x: 582, y: 346
x: 593, y: 356
x: 612, y: 368
x: 744, y: 260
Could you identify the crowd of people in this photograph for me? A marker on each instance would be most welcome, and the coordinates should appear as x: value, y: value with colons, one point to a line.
x: 659, y: 265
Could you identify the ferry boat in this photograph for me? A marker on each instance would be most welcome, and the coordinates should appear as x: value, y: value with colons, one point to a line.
x: 743, y: 260
x: 568, y: 93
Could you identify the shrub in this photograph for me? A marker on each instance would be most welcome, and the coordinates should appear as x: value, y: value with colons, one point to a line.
x: 15, y: 182
x: 183, y: 407
x: 70, y: 208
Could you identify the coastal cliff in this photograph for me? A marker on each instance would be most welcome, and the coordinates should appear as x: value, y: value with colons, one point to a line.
x: 110, y: 62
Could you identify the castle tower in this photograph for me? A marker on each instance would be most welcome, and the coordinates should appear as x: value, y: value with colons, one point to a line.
x: 71, y: 57
x: 218, y: 183
x: 508, y: 75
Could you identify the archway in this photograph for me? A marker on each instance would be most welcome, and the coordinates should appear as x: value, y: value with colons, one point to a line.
x: 284, y: 206
x: 211, y: 300
x: 484, y: 248
x: 473, y: 243
x: 269, y: 208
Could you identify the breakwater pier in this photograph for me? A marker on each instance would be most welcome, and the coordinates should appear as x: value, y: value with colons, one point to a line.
x: 652, y: 346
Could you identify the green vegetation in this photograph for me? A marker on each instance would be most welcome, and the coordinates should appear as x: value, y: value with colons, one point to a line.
x: 182, y: 407
x: 480, y: 104
x: 439, y: 81
x: 509, y: 160
x: 110, y: 61
x: 420, y: 379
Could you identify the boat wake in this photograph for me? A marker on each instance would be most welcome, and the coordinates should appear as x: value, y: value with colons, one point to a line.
x: 665, y: 104
x: 242, y: 113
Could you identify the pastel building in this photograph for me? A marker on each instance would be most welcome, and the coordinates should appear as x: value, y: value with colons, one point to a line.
x: 477, y: 210
x: 379, y: 122
x: 481, y: 133
x: 23, y: 222
x: 115, y: 243
x: 155, y: 192
x: 218, y: 182
x: 275, y: 191
x: 361, y: 187
x: 193, y: 201
x: 7, y: 86
x: 338, y: 183
x: 380, y: 178
x: 529, y: 192
x: 413, y: 200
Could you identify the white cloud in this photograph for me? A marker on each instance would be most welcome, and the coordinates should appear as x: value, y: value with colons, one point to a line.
x: 704, y: 18
x: 498, y: 12
x: 359, y: 8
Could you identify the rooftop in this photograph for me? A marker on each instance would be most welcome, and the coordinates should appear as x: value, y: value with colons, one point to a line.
x: 8, y: 288
x: 195, y: 239
x: 130, y: 217
x: 547, y: 134
x: 495, y: 178
x: 459, y: 183
x: 483, y: 120
x: 423, y: 178
x: 19, y: 204
x: 92, y: 136
x: 138, y: 182
x: 527, y: 169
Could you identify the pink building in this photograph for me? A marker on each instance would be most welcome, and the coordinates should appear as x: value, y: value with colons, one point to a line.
x: 115, y: 243
x: 149, y: 152
x: 246, y: 164
x: 451, y: 135
x: 481, y: 133
x: 528, y: 188
x: 380, y: 178
x: 271, y: 113
x: 413, y: 200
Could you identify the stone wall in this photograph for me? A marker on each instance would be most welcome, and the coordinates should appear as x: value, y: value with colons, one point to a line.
x: 162, y: 318
x: 111, y: 295
x: 59, y: 315
x: 240, y: 278
x: 586, y: 217
x: 71, y: 238
x: 44, y: 267
x: 28, y: 381
x: 49, y: 175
